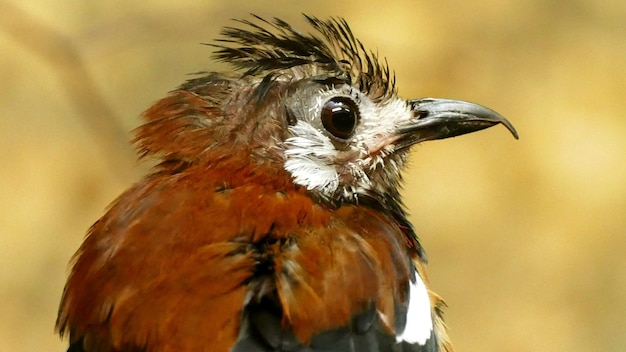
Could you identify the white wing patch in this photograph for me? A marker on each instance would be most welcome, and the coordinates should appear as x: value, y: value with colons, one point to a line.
x: 419, y: 322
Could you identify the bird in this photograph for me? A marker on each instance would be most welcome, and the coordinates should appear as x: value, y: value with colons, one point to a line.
x: 272, y: 219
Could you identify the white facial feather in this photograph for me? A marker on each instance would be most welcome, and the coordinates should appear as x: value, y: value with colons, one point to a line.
x: 309, y: 157
x: 314, y: 160
x: 379, y: 122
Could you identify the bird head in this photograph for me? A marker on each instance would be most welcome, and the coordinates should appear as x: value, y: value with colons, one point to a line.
x: 318, y: 106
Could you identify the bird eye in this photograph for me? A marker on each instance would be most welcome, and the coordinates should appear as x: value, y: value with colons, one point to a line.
x: 340, y: 116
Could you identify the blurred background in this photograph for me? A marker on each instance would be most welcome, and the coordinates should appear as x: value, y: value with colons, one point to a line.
x: 526, y: 239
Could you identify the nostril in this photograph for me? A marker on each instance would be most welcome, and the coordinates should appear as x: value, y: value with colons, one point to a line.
x: 421, y: 114
x: 414, y: 105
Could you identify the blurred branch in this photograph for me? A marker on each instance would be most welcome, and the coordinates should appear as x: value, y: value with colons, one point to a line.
x: 65, y: 58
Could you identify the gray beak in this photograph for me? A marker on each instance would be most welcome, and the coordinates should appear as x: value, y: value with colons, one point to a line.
x: 444, y: 118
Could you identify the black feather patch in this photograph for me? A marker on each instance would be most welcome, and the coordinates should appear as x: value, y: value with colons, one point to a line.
x: 262, y: 331
x: 275, y: 48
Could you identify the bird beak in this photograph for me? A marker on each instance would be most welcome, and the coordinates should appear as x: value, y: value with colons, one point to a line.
x: 444, y: 118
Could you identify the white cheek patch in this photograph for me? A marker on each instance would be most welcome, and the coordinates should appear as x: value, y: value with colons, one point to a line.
x: 313, y: 160
x: 310, y: 156
x: 419, y: 322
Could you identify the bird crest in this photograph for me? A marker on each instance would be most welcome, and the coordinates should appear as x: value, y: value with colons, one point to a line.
x: 274, y: 48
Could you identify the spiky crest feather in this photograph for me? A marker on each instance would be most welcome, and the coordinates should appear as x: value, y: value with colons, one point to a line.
x: 272, y: 48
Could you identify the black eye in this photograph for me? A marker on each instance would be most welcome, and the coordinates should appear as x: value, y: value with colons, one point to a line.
x: 340, y: 116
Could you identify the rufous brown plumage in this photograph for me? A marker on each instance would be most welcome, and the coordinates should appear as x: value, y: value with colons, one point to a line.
x: 273, y: 219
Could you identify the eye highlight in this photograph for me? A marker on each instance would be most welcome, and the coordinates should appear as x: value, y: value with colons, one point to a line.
x: 340, y: 116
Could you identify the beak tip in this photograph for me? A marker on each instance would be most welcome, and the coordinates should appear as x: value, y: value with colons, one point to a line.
x: 509, y: 126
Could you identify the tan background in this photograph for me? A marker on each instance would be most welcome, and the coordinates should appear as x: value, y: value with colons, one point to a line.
x: 526, y: 238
